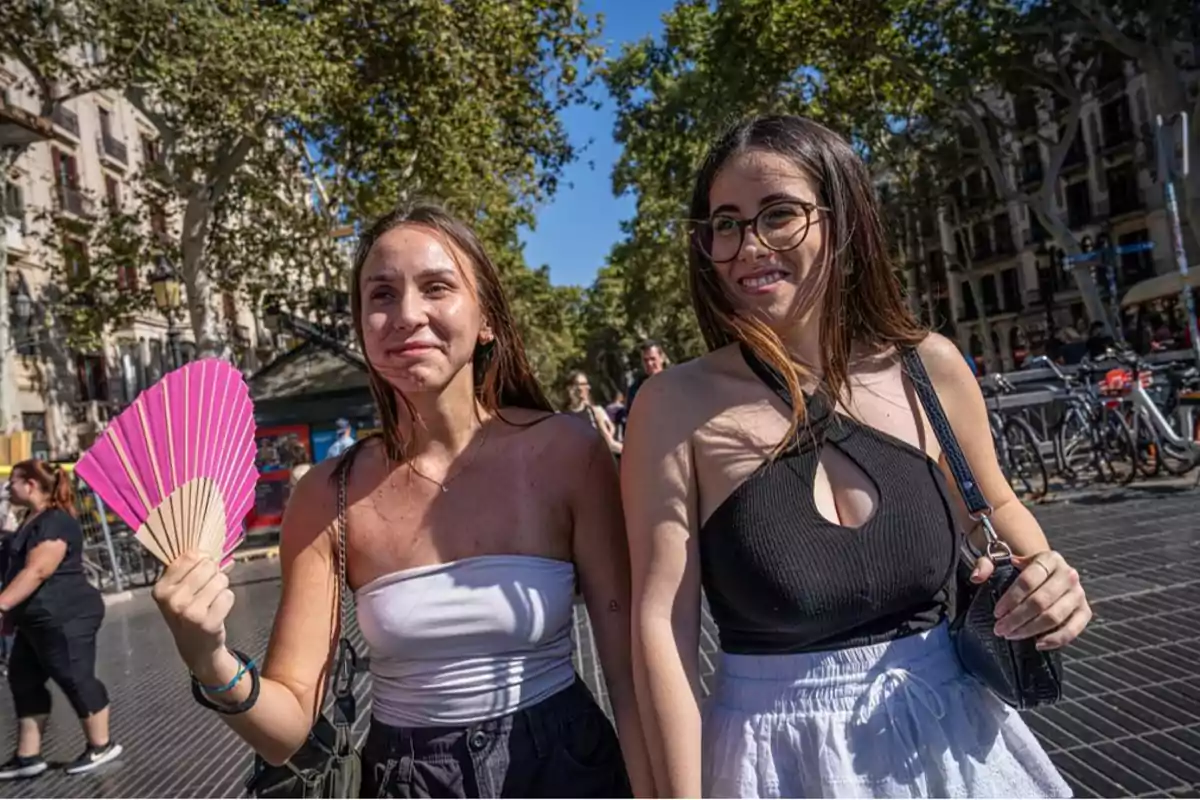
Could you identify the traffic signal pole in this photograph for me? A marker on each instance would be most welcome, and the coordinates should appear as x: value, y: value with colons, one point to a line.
x: 1166, y: 171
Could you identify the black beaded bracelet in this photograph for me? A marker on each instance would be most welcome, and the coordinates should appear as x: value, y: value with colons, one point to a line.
x: 240, y: 708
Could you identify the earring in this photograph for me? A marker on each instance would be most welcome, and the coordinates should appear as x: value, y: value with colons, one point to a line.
x: 486, y: 336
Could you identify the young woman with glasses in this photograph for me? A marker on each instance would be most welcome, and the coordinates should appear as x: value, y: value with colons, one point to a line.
x: 823, y: 531
x: 467, y: 521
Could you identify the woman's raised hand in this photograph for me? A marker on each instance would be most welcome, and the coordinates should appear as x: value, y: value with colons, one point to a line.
x: 194, y: 597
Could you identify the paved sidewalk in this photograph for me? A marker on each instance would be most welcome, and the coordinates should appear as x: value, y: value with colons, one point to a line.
x: 1130, y: 725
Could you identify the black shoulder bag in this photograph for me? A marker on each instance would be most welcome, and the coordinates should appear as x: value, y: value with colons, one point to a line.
x: 327, y: 765
x: 1016, y: 671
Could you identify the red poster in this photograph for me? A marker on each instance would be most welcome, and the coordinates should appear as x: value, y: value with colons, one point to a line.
x: 280, y: 448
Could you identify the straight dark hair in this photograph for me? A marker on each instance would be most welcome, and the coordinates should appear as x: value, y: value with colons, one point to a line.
x: 863, y: 302
x: 502, y: 374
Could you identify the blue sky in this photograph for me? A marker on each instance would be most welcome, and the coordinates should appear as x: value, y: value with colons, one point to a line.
x: 576, y: 229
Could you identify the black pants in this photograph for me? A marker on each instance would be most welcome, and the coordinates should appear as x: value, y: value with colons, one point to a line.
x: 64, y: 653
x: 562, y: 747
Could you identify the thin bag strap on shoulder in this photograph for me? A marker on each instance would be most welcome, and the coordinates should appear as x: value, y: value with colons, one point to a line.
x: 972, y: 495
x: 345, y: 666
x: 977, y: 504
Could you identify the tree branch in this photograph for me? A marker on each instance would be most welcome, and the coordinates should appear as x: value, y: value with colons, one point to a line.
x: 1108, y: 31
x: 227, y: 163
x: 47, y: 89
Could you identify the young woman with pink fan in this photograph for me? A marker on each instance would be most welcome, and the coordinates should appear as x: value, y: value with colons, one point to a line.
x: 57, y: 615
x: 466, y: 522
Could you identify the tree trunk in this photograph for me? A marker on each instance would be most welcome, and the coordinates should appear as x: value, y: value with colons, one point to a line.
x: 196, y: 280
x: 1082, y: 271
x: 990, y: 357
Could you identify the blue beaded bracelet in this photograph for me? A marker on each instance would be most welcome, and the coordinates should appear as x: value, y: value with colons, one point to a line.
x: 243, y: 667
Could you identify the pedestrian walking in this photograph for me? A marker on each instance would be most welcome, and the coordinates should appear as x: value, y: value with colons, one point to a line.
x: 792, y: 473
x: 579, y: 403
x: 463, y: 526
x: 56, y: 614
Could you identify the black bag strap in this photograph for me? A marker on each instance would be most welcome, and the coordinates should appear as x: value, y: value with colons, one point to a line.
x: 346, y: 663
x: 977, y: 505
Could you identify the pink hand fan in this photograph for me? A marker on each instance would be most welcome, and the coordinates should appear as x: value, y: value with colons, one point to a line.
x: 178, y: 464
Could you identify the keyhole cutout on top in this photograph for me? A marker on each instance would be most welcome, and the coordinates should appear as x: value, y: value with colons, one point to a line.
x: 843, y: 493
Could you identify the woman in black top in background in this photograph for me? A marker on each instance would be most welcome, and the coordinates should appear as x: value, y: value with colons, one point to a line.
x: 57, y: 615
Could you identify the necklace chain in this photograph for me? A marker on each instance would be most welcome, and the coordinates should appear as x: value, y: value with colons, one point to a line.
x: 444, y: 484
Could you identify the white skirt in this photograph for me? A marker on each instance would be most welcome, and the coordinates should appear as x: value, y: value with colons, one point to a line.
x: 899, y: 719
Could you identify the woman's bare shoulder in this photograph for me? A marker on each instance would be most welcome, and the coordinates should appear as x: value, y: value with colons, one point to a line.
x: 687, y: 393
x: 946, y: 365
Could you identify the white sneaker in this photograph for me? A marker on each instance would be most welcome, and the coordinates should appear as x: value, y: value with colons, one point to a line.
x: 93, y: 757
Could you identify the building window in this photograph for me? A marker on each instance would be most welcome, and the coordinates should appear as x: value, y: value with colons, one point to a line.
x: 92, y: 374
x: 1010, y: 290
x: 1136, y: 266
x: 75, y: 260
x: 982, y: 236
x: 36, y: 425
x: 127, y: 277
x: 150, y: 150
x: 12, y: 204
x: 1003, y: 228
x: 112, y: 193
x: 1079, y: 204
x: 1124, y: 195
x: 66, y: 177
x: 991, y: 299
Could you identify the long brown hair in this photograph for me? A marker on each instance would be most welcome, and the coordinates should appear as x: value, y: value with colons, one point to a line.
x: 863, y: 302
x: 52, y: 480
x: 503, y: 376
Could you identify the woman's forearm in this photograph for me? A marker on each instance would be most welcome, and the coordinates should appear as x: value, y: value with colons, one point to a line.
x: 669, y: 710
x: 632, y: 738
x: 276, y: 726
x: 1017, y: 527
x: 23, y: 584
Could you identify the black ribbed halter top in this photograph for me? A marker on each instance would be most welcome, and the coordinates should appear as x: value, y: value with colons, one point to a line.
x: 780, y: 578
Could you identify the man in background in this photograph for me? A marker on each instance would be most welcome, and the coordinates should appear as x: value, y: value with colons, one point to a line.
x: 654, y: 361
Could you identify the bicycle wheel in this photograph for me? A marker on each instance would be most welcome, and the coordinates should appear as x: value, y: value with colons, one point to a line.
x: 1023, y: 464
x: 1177, y: 459
x: 1114, y: 448
x: 1072, y: 442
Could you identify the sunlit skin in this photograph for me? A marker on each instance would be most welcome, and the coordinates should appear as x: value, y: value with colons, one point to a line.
x: 421, y: 321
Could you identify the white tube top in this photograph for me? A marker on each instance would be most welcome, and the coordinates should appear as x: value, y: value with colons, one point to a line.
x: 458, y: 643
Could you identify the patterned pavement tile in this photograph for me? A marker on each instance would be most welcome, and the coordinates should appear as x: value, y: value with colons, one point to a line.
x: 1130, y: 725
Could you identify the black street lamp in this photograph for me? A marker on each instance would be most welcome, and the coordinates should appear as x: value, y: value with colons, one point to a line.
x: 168, y: 297
x: 22, y: 307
